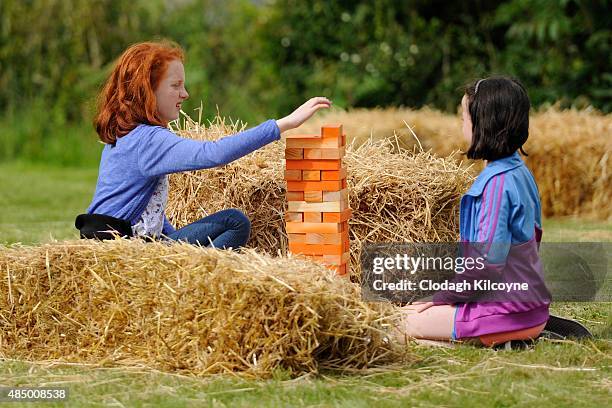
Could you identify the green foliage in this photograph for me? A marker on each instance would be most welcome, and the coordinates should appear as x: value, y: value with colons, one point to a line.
x: 258, y: 60
x: 420, y: 52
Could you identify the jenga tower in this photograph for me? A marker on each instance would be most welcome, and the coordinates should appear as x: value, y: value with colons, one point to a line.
x: 318, y: 212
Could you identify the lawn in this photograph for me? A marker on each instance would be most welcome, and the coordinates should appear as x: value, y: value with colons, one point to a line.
x: 40, y: 203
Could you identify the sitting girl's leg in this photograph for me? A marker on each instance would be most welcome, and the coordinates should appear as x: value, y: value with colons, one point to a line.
x: 225, y: 229
x: 434, y: 323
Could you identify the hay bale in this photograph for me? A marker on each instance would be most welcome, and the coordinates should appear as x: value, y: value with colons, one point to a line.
x: 185, y: 309
x: 568, y: 150
x: 569, y: 155
x: 397, y: 195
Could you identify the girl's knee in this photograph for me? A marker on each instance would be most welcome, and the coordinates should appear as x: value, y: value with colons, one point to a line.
x: 239, y: 218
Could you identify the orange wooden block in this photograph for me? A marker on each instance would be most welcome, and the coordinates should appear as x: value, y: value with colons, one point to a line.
x: 341, y: 195
x: 337, y: 259
x: 313, y: 143
x: 294, y: 153
x: 293, y: 175
x: 333, y: 174
x: 307, y: 249
x: 295, y: 196
x: 294, y: 217
x: 313, y: 196
x: 314, y: 186
x: 338, y: 216
x: 336, y: 238
x: 344, y: 183
x: 339, y: 269
x: 343, y: 140
x: 346, y: 244
x: 324, y: 153
x: 313, y: 217
x: 297, y: 238
x: 331, y: 131
x: 311, y: 175
x: 305, y: 227
x: 331, y: 164
x: 344, y: 226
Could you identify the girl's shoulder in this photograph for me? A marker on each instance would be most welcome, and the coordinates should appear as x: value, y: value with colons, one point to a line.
x: 143, y: 132
x: 144, y: 128
x: 505, y: 176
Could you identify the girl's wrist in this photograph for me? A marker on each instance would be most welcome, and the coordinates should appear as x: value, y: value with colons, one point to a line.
x: 283, y: 124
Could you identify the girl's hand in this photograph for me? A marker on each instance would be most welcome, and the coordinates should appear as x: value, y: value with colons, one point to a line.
x: 303, y: 113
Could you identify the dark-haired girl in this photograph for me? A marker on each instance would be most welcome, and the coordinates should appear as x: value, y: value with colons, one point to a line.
x: 500, y: 221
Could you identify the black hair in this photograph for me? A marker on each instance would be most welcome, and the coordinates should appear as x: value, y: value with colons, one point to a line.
x: 499, y: 110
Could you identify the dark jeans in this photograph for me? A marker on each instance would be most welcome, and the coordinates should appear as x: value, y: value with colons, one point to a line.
x: 225, y: 229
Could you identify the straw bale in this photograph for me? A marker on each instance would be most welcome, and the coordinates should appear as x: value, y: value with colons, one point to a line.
x: 569, y: 155
x: 397, y: 195
x: 568, y: 150
x: 182, y: 308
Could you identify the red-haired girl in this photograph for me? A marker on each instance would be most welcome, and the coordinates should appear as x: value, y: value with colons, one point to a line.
x: 145, y: 92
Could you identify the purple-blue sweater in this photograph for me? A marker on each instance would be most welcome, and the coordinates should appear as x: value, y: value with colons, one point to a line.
x: 502, y: 211
x: 130, y: 169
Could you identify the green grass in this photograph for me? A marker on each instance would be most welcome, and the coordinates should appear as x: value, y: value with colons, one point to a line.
x: 552, y: 374
x: 40, y: 202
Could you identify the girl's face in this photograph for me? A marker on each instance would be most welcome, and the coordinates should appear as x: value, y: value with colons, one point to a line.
x: 466, y: 119
x: 171, y: 92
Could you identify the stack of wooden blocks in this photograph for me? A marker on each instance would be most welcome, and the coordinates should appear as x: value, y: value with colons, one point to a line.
x: 317, y: 197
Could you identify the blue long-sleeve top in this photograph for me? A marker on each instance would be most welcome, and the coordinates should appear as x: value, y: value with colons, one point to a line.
x: 131, y: 168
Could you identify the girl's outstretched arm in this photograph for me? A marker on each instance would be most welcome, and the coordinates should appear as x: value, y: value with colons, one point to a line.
x: 162, y: 152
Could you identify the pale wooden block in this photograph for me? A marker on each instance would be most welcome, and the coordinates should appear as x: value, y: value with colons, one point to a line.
x: 341, y: 195
x: 337, y: 259
x: 298, y: 136
x: 293, y: 175
x: 337, y: 153
x: 293, y: 153
x: 335, y: 238
x: 313, y: 196
x: 301, y: 238
x: 314, y: 143
x: 294, y: 217
x: 303, y: 206
x: 313, y: 217
x: 311, y: 175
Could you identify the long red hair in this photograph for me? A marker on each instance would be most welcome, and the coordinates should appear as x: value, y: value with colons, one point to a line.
x: 128, y: 98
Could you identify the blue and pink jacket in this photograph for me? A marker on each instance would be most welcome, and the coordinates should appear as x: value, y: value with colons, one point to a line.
x: 502, y: 211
